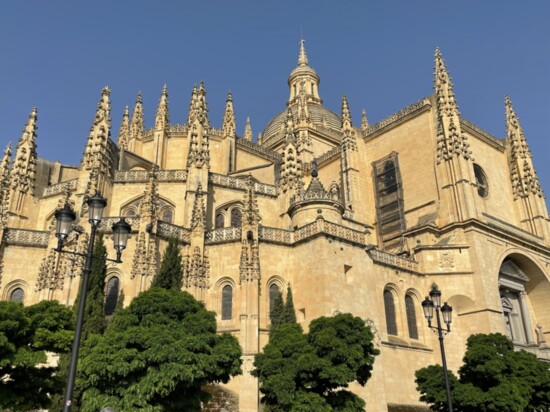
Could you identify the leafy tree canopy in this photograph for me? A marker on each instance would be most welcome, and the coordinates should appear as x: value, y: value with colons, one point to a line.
x: 26, y: 334
x: 156, y: 354
x: 493, y: 378
x: 170, y: 275
x: 307, y: 371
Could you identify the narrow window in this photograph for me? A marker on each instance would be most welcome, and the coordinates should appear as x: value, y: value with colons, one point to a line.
x: 167, y: 215
x: 111, y: 297
x: 236, y: 217
x: 227, y: 302
x: 18, y: 295
x: 391, y: 324
x: 411, y: 317
x: 219, y: 221
x: 481, y: 181
x: 273, y: 293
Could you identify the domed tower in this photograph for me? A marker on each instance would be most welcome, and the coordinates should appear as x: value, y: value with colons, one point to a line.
x: 318, y: 129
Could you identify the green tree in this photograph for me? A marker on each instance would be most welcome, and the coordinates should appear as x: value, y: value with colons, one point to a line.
x: 309, y: 371
x: 156, y: 354
x: 94, y: 317
x: 289, y: 314
x: 170, y: 275
x: 26, y: 334
x: 277, y: 311
x: 493, y: 378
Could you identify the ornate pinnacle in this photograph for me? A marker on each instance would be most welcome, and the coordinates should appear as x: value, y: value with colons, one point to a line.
x: 364, y: 121
x: 248, y: 130
x: 302, y: 58
x: 5, y: 168
x: 446, y: 102
x: 24, y: 167
x: 198, y: 108
x: 192, y: 104
x: 124, y: 131
x: 162, y: 118
x: 346, y: 115
x: 228, y: 126
x: 198, y: 217
x: 290, y: 135
x: 137, y: 125
x: 95, y: 154
x: 251, y: 213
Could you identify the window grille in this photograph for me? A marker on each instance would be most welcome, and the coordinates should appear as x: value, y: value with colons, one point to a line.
x: 236, y: 217
x: 18, y: 295
x: 227, y: 302
x: 391, y: 323
x: 411, y: 317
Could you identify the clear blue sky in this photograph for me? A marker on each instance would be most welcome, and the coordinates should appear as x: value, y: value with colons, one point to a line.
x: 57, y: 55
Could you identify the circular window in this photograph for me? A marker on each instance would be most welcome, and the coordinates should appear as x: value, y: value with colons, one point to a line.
x: 481, y: 181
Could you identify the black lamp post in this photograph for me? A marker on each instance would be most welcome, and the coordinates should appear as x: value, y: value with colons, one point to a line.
x: 65, y: 218
x: 428, y: 305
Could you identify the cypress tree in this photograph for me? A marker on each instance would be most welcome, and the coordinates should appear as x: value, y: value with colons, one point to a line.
x: 277, y: 311
x: 170, y: 275
x: 289, y: 315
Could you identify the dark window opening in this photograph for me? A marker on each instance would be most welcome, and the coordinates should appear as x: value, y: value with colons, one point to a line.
x: 236, y: 217
x: 389, y: 306
x: 227, y: 302
x: 411, y: 317
x: 111, y: 297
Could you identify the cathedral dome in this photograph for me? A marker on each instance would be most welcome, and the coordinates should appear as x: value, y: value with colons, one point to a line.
x: 319, y: 115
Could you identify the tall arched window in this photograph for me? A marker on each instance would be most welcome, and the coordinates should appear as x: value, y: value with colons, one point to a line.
x: 389, y: 306
x: 273, y: 293
x: 17, y: 295
x: 219, y: 222
x: 411, y: 317
x: 111, y: 296
x: 236, y: 217
x: 390, y: 178
x: 167, y: 215
x: 227, y: 302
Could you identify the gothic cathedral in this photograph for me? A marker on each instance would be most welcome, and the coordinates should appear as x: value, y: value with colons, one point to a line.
x: 356, y: 217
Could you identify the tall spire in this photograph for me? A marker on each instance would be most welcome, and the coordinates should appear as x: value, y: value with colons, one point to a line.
x: 198, y: 107
x: 24, y: 166
x: 451, y: 141
x: 348, y: 140
x: 302, y: 58
x: 364, y: 121
x: 137, y: 126
x: 5, y: 169
x: 346, y: 115
x: 248, y: 130
x: 228, y: 126
x: 198, y: 129
x: 124, y: 131
x: 162, y: 118
x: 95, y: 155
x: 524, y: 178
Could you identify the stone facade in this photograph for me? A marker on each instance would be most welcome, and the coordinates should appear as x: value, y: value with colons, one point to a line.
x: 361, y: 219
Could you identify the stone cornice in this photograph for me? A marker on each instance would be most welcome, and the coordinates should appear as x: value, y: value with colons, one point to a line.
x: 255, y: 148
x: 398, y: 117
x: 479, y: 132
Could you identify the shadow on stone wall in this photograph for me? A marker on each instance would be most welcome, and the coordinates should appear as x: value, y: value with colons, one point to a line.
x: 393, y: 407
x: 223, y: 400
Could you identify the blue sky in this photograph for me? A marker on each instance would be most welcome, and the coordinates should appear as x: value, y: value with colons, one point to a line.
x: 57, y: 55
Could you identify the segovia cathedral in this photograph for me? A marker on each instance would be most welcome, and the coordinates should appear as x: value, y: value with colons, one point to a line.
x: 356, y: 217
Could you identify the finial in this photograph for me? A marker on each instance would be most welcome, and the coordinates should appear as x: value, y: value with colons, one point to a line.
x: 229, y: 97
x: 165, y: 89
x: 139, y: 100
x: 364, y: 121
x: 346, y: 115
x: 248, y: 130
x: 302, y: 59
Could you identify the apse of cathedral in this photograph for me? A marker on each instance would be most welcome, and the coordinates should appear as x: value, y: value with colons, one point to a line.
x: 355, y: 217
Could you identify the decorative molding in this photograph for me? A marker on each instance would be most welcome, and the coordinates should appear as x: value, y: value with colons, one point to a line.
x: 241, y: 184
x: 394, y: 261
x: 226, y: 234
x: 37, y: 238
x: 142, y: 176
x: 271, y: 154
x: 179, y: 128
x: 169, y: 230
x: 62, y: 187
x: 479, y: 130
x: 424, y: 102
x: 511, y: 229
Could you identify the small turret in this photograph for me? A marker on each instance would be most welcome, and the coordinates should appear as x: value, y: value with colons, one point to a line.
x: 306, y: 76
x: 248, y: 130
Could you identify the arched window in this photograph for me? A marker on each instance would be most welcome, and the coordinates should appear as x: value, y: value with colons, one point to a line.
x: 389, y: 306
x: 111, y: 297
x: 227, y: 302
x: 131, y: 212
x: 167, y: 215
x: 220, y: 221
x: 481, y: 181
x: 236, y: 217
x: 273, y: 293
x: 17, y: 295
x: 411, y: 317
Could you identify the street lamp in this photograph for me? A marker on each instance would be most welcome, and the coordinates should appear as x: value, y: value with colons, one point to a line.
x: 65, y: 218
x: 428, y: 306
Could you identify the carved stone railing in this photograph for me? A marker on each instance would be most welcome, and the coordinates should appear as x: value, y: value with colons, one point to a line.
x: 328, y: 156
x: 482, y: 132
x: 148, y: 134
x: 226, y: 234
x: 169, y: 230
x: 271, y: 234
x: 394, y: 261
x: 178, y: 128
x: 60, y: 187
x: 320, y: 226
x: 215, y: 132
x: 397, y: 116
x: 27, y: 237
x: 260, y: 149
x: 140, y: 176
x: 330, y: 132
x: 108, y: 222
x: 241, y: 183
